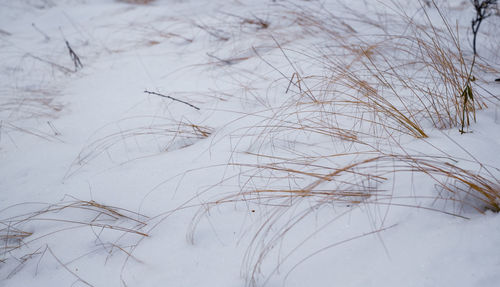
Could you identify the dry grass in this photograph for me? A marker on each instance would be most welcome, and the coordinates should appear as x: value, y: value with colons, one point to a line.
x: 374, y: 90
x: 406, y: 77
x: 147, y: 140
x: 109, y: 224
x: 28, y: 98
x: 289, y: 192
x: 29, y: 104
x: 43, y: 105
x: 413, y: 72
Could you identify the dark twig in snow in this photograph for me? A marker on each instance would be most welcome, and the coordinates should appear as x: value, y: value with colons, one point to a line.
x: 172, y: 98
x: 74, y: 57
x: 484, y: 9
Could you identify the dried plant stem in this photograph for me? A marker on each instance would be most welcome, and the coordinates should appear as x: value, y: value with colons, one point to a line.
x: 172, y: 98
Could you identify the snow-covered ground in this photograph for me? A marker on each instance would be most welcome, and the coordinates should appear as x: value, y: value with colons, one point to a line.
x: 282, y: 143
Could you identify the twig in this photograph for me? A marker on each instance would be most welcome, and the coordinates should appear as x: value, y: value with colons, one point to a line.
x: 172, y: 98
x: 484, y: 9
x: 74, y: 57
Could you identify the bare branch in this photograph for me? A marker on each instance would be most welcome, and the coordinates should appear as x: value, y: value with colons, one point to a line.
x: 74, y: 57
x: 172, y: 98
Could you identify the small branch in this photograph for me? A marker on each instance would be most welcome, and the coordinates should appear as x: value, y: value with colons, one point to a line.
x: 172, y: 98
x: 74, y: 57
x: 484, y: 9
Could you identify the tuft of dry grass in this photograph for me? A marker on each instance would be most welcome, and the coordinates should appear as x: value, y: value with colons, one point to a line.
x: 478, y: 189
x: 409, y: 75
x: 64, y: 217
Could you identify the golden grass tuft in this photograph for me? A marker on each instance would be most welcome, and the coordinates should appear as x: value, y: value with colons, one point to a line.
x: 408, y: 76
x: 66, y: 216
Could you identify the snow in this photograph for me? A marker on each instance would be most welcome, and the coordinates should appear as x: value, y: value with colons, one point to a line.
x: 103, y: 184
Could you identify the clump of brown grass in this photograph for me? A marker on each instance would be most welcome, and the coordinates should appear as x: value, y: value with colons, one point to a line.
x: 66, y: 216
x: 407, y: 76
x: 293, y: 189
x: 477, y: 189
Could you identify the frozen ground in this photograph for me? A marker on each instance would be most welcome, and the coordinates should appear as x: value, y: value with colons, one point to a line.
x: 262, y: 179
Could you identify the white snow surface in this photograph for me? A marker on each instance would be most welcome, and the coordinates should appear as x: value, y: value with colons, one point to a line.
x: 102, y: 184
